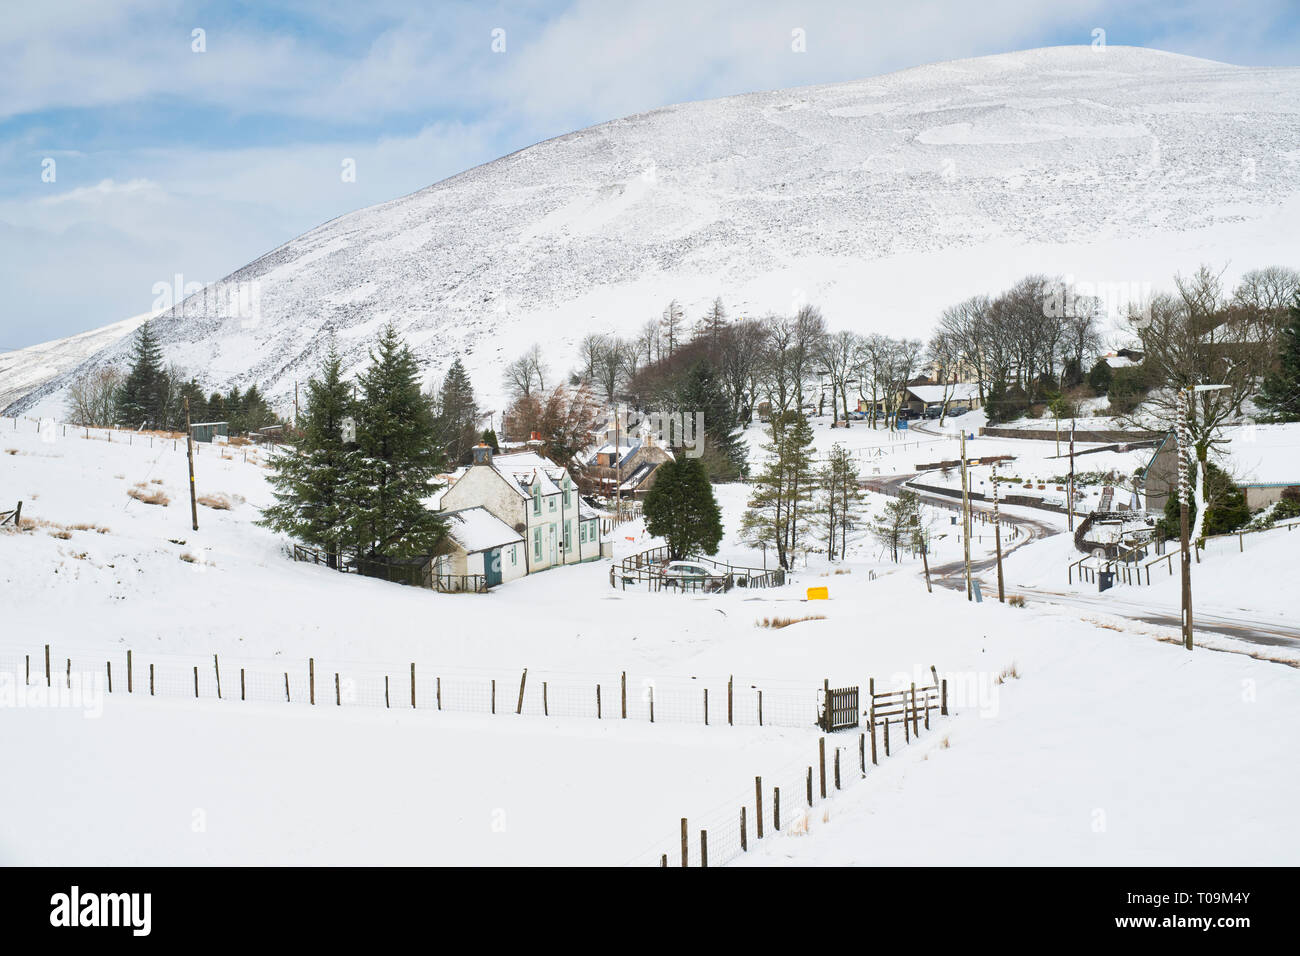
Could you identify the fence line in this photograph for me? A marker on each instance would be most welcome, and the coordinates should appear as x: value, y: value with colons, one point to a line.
x: 616, y: 695
x: 782, y: 803
x: 175, y: 441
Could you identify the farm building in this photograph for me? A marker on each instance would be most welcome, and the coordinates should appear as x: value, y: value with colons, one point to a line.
x: 209, y: 431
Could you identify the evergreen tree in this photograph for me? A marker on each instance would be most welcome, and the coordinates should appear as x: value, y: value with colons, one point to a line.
x: 1225, y: 508
x: 681, y: 509
x: 783, y: 489
x: 489, y: 438
x: 310, y: 480
x: 458, y: 414
x: 700, y: 391
x: 255, y: 413
x: 193, y: 391
x: 839, y: 501
x: 899, y: 525
x: 397, y: 459
x: 143, y: 395
x: 1280, y: 394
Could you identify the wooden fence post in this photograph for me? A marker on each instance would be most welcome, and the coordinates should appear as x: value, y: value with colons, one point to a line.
x: 598, y: 702
x: 907, y: 724
x: 196, y: 680
x: 519, y: 708
x: 338, y: 697
x: 109, y: 666
x: 386, y: 703
x: 438, y: 688
x: 652, y: 703
x: 744, y: 839
x: 886, y: 736
x: 760, y: 708
x: 241, y: 684
x: 862, y: 753
x: 494, y: 695
x: 685, y: 850
x: 546, y: 707
x: 412, y: 684
x: 837, y: 768
x: 216, y: 667
x: 821, y: 762
x: 623, y: 683
x: 706, y: 707
x: 287, y: 698
x: 810, y: 802
x: 758, y: 806
x: 47, y: 665
x: 27, y: 672
x: 129, y: 688
x: 730, y: 701
x: 311, y: 681
x: 704, y: 848
x: 943, y: 708
x: 916, y: 731
x: 150, y: 680
x: 826, y: 705
x: 776, y: 808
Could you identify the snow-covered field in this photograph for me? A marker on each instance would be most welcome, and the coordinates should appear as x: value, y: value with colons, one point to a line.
x: 1111, y: 746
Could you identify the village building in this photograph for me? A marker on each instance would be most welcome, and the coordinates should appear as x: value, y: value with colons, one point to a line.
x: 627, y: 469
x: 1261, y: 459
x: 480, y: 544
x: 529, y: 496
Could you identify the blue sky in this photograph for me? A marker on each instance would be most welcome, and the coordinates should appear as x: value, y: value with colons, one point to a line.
x: 168, y: 160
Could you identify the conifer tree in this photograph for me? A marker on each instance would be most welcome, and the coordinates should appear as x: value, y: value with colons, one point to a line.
x: 1280, y: 395
x: 396, y: 461
x: 784, y: 486
x: 681, y: 509
x: 143, y: 394
x: 310, y: 480
x: 839, y: 501
x: 457, y: 414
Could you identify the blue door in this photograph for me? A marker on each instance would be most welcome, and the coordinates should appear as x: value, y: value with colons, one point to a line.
x: 492, y: 567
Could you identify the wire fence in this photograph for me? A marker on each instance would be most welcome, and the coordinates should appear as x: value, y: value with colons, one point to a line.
x: 51, y: 430
x: 615, y: 695
x: 785, y: 803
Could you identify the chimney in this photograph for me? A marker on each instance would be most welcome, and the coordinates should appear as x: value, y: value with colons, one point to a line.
x: 482, y: 454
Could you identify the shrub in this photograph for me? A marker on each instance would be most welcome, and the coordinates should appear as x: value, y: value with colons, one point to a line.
x: 218, y: 502
x: 142, y: 493
x: 777, y: 623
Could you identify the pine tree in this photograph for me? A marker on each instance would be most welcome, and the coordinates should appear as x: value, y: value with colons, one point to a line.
x: 397, y: 459
x: 783, y: 489
x: 458, y: 414
x: 839, y: 501
x: 310, y: 480
x: 899, y: 524
x: 699, y: 392
x: 681, y: 509
x: 1280, y: 394
x: 143, y: 395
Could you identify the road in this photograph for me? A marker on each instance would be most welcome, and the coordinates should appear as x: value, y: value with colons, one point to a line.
x: 1230, y: 623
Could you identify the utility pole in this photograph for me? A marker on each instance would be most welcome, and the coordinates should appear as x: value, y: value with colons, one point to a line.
x: 295, y: 405
x: 1184, y: 489
x: 965, y: 516
x: 1069, y: 492
x: 189, y: 453
x: 997, y: 534
x: 618, y: 469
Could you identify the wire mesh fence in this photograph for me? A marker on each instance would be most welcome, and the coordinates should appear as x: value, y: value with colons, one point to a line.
x: 615, y: 695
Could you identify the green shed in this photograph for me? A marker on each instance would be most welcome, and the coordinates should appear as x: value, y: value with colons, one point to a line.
x: 206, y: 431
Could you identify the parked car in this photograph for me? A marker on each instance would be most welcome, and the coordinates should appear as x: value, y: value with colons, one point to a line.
x: 933, y: 411
x: 688, y: 575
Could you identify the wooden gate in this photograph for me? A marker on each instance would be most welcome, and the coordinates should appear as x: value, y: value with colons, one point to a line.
x: 839, y: 708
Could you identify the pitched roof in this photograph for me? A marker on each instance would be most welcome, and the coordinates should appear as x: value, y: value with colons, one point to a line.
x: 961, y: 392
x: 477, y: 529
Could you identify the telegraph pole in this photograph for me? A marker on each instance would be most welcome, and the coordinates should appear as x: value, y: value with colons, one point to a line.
x: 1184, y: 489
x: 1069, y: 493
x: 965, y: 517
x: 997, y: 534
x: 189, y: 453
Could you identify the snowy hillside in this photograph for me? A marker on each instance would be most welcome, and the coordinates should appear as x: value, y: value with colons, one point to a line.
x: 1119, y: 165
x: 23, y: 370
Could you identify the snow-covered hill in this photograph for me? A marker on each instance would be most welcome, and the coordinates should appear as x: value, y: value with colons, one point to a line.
x: 23, y: 370
x: 882, y: 200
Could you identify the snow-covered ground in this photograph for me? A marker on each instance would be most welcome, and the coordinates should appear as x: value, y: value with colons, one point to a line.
x: 1091, y: 730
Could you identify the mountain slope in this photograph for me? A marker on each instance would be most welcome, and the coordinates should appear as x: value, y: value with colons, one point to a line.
x: 23, y: 370
x: 882, y: 200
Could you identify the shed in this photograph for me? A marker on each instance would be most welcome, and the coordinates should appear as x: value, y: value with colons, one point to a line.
x: 207, y: 431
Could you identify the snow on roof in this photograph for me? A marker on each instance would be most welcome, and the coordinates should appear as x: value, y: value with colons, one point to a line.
x: 961, y: 392
x: 1119, y: 361
x: 525, y: 468
x: 477, y: 529
x: 1263, y: 454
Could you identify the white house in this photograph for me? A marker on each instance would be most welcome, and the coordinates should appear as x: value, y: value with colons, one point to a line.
x: 480, y: 543
x: 532, y: 497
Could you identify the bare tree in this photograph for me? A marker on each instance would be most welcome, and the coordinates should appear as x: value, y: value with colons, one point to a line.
x: 526, y: 374
x: 671, y: 326
x: 91, y: 397
x: 839, y: 357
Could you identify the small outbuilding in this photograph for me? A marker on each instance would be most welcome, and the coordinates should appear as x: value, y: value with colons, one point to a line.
x: 209, y: 431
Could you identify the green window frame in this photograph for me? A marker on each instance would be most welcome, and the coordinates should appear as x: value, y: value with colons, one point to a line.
x: 537, y: 543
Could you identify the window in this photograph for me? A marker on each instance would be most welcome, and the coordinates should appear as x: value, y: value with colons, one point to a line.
x: 514, y: 558
x: 582, y: 533
x: 537, y: 543
x: 568, y: 535
x: 552, y: 503
x: 537, y: 499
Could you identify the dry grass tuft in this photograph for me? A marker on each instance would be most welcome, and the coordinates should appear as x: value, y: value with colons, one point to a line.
x: 217, y: 502
x: 141, y: 493
x: 944, y: 744
x: 61, y: 535
x: 189, y: 558
x: 1016, y: 600
x: 1009, y: 673
x: 776, y: 623
x: 11, y: 451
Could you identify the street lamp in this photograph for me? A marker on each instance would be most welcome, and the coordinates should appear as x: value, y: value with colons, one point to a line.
x: 1184, y: 491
